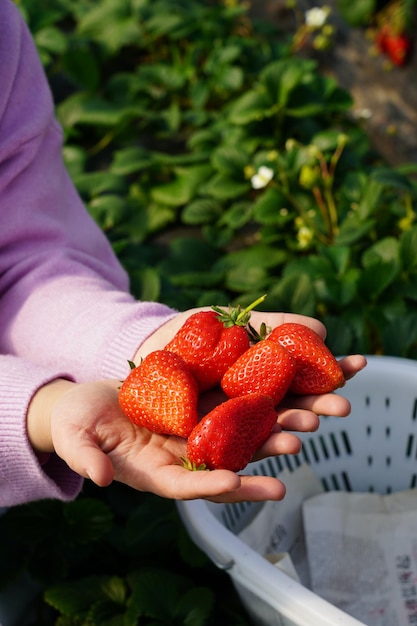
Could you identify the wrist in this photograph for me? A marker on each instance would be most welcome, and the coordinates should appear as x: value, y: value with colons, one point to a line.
x: 38, y: 422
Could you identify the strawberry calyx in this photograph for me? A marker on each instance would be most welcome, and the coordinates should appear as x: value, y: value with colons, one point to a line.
x: 191, y: 465
x: 256, y: 336
x: 236, y: 316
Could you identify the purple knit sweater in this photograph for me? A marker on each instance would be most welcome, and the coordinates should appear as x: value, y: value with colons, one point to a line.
x: 65, y: 307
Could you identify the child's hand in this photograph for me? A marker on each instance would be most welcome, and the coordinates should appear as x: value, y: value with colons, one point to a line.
x: 91, y: 433
x: 85, y: 426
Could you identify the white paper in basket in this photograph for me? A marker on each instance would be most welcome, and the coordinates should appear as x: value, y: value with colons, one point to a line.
x: 362, y: 554
x: 356, y: 550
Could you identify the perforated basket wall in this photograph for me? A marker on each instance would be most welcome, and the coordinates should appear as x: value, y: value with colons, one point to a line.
x: 373, y: 449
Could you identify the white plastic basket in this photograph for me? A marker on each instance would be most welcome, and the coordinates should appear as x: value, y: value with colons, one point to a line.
x: 374, y: 449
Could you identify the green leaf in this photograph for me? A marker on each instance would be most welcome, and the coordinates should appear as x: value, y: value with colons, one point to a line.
x: 158, y: 78
x: 357, y: 12
x: 182, y: 189
x: 201, y: 211
x: 195, y: 606
x: 95, y: 183
x: 268, y: 206
x: 229, y: 79
x: 51, y: 39
x: 339, y: 257
x: 107, y: 210
x: 282, y: 76
x: 146, y: 284
x: 353, y: 229
x: 76, y: 598
x: 158, y: 216
x: 252, y: 106
x: 224, y: 187
x: 371, y: 198
x: 110, y: 23
x: 408, y: 247
x: 339, y: 335
x: 295, y: 294
x: 204, y: 280
x: 147, y: 599
x: 87, y: 520
x: 82, y: 108
x: 258, y: 255
x: 82, y: 67
x: 223, y: 55
x: 230, y: 160
x: 247, y: 269
x: 326, y: 140
x: 387, y: 251
x: 130, y: 160
x: 400, y: 335
x: 237, y: 215
x: 375, y: 279
x: 164, y: 23
x: 107, y: 613
x: 388, y: 177
x: 75, y: 158
x: 334, y: 282
x: 189, y: 252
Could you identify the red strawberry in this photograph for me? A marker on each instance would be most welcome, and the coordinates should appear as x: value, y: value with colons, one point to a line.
x: 317, y: 369
x: 394, y: 43
x: 398, y: 47
x: 265, y: 368
x: 161, y: 394
x: 229, y: 436
x: 210, y: 341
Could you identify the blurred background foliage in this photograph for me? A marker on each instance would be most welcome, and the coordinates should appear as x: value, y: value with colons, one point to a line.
x: 171, y: 108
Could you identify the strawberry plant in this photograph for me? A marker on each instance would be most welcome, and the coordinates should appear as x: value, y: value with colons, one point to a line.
x: 223, y: 165
x: 113, y: 557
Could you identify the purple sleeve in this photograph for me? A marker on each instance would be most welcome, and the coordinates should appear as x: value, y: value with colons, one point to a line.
x: 64, y: 298
x: 22, y: 478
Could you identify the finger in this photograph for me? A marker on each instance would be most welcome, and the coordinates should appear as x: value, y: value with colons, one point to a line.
x: 254, y: 489
x: 298, y: 420
x: 89, y: 461
x: 352, y: 364
x: 279, y: 443
x: 179, y: 483
x: 325, y: 404
x: 98, y: 467
x: 276, y: 319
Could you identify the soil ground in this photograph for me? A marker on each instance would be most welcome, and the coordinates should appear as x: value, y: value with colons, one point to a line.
x: 384, y: 99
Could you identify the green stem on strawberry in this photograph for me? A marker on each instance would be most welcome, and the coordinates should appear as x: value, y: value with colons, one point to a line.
x: 234, y: 316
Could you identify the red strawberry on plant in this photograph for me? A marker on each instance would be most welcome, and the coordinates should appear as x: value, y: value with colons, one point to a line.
x: 161, y: 394
x: 229, y: 436
x: 397, y: 47
x: 317, y: 369
x: 265, y: 368
x: 210, y: 341
x: 392, y: 23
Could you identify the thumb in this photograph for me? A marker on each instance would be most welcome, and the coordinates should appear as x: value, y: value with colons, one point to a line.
x: 90, y: 462
x: 96, y: 465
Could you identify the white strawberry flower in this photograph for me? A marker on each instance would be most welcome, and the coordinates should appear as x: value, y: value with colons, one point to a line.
x: 262, y: 177
x: 317, y: 16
